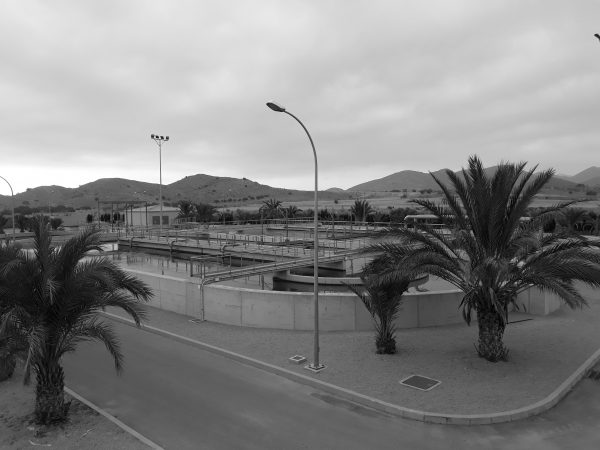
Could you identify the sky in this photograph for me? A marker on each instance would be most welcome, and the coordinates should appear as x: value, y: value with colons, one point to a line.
x: 382, y: 86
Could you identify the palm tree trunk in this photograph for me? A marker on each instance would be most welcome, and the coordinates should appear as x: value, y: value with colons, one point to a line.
x: 50, y: 406
x: 491, y: 330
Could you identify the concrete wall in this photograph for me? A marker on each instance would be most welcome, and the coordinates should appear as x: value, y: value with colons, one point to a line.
x: 275, y: 309
x: 172, y: 294
x: 534, y: 301
x: 294, y: 310
x: 338, y: 311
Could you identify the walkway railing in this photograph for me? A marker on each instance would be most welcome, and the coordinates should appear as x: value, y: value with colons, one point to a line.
x: 232, y: 273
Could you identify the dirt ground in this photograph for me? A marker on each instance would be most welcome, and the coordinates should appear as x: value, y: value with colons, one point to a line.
x: 86, y: 429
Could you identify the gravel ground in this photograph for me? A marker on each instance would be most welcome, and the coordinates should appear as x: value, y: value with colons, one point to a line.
x: 544, y: 351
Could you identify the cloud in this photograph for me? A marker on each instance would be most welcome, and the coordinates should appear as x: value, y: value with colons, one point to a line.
x: 382, y: 86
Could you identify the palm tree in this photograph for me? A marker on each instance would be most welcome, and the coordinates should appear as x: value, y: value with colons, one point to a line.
x: 382, y: 298
x: 8, y: 254
x: 291, y: 211
x: 491, y: 255
x: 571, y: 217
x: 22, y: 222
x: 3, y: 222
x: 204, y: 212
x: 56, y: 306
x: 361, y: 210
x: 271, y: 208
x: 186, y: 209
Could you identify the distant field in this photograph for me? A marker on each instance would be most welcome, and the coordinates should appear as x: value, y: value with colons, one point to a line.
x: 385, y: 200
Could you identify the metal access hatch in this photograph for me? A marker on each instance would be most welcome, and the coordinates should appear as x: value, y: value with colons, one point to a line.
x: 420, y: 382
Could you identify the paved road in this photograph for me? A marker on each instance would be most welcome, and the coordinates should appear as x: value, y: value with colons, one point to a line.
x: 182, y: 397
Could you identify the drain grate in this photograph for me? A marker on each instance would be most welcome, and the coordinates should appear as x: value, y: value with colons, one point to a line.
x: 196, y: 320
x: 420, y: 382
x: 594, y: 374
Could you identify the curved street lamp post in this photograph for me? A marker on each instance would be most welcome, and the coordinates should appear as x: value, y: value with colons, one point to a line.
x: 159, y: 140
x: 315, y: 366
x: 12, y: 200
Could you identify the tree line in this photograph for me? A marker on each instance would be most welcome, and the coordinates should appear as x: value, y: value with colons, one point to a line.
x: 360, y: 211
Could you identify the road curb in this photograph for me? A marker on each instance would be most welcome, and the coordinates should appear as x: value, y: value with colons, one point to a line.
x: 114, y: 420
x: 440, y: 418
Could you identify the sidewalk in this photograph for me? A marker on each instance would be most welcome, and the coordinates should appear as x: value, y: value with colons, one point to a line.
x: 544, y: 352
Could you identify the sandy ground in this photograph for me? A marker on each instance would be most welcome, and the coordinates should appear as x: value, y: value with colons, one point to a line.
x: 85, y: 429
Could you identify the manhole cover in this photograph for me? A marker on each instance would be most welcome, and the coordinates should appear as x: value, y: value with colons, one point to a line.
x: 420, y: 382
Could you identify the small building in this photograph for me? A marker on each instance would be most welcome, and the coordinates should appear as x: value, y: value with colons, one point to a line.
x: 150, y: 216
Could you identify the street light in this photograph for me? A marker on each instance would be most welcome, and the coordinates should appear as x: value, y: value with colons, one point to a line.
x: 159, y: 140
x: 12, y: 200
x: 315, y: 366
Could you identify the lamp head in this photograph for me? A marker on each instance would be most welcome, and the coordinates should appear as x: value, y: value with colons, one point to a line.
x: 276, y: 107
x: 151, y: 136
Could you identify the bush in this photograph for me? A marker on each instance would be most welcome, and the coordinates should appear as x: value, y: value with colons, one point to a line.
x: 55, y: 222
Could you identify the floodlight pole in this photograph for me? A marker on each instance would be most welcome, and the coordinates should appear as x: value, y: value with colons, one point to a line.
x: 315, y: 366
x: 12, y: 200
x: 159, y: 140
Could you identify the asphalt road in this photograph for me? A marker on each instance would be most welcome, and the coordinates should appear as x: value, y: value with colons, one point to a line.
x: 182, y: 397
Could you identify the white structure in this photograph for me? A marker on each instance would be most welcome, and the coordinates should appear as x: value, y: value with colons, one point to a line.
x: 150, y: 216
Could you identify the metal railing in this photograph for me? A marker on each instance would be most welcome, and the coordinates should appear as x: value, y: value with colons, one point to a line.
x: 257, y: 269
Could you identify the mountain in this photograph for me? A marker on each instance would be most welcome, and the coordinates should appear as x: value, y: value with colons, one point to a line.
x: 406, y: 179
x: 410, y: 179
x: 220, y: 191
x: 589, y: 176
x: 235, y: 192
x: 592, y: 182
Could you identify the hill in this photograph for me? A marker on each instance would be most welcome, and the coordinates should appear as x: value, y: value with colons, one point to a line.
x: 590, y: 177
x: 592, y: 182
x: 410, y: 179
x: 406, y: 179
x: 235, y: 192
x: 586, y: 176
x: 220, y: 191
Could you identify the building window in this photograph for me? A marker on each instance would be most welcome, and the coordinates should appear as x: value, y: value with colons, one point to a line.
x: 155, y: 220
x: 165, y: 220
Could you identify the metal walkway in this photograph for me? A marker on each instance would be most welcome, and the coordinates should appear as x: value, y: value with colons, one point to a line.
x: 258, y: 269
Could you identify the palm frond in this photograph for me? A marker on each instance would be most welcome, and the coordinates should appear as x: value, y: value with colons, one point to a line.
x: 92, y: 329
x: 75, y: 249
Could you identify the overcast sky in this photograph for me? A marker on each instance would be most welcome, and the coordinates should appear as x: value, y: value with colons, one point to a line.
x: 382, y: 86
